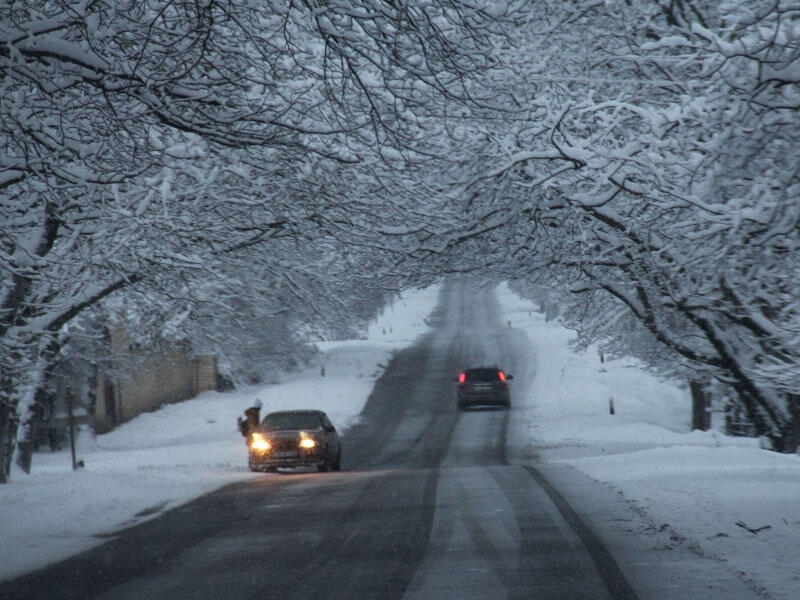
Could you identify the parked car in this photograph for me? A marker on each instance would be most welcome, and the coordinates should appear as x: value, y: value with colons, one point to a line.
x: 483, y: 386
x: 292, y: 439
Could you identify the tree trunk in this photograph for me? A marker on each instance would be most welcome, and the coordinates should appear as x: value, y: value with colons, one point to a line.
x: 9, y: 419
x: 8, y: 434
x: 701, y: 417
x: 792, y: 443
x: 26, y: 445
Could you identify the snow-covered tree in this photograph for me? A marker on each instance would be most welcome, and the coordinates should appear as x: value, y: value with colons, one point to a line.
x: 101, y: 101
x: 655, y: 174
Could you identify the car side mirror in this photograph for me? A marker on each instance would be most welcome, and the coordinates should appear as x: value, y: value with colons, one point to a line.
x: 509, y: 376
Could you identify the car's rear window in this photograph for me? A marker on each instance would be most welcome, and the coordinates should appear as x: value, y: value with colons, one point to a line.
x: 482, y: 375
x: 278, y: 421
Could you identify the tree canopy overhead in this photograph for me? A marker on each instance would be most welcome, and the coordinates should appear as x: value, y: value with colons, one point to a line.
x: 299, y: 158
x: 157, y: 143
x: 656, y: 176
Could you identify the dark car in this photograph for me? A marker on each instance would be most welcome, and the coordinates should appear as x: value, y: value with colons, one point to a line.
x: 292, y: 439
x: 483, y: 386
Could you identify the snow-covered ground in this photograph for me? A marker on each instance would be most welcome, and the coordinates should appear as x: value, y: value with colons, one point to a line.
x: 703, y: 486
x: 700, y: 485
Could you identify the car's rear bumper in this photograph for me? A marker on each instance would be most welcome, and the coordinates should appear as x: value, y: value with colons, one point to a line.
x: 465, y: 400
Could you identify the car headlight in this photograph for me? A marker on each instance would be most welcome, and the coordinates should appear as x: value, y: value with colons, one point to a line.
x: 259, y: 442
x: 307, y: 443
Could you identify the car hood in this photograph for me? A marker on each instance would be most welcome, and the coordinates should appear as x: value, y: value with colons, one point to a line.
x: 289, y: 434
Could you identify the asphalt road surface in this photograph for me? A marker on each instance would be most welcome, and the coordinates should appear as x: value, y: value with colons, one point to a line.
x: 426, y: 506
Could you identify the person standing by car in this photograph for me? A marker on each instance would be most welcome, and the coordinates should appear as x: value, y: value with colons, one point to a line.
x: 252, y: 417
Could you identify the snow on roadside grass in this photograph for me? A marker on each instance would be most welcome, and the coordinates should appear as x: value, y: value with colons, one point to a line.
x: 711, y: 491
x: 566, y: 410
x: 163, y: 459
x: 741, y: 504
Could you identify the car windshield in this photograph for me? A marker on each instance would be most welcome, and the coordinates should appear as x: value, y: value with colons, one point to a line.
x: 298, y: 420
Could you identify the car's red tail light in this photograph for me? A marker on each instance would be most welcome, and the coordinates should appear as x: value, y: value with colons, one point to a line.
x: 462, y: 377
x: 501, y: 376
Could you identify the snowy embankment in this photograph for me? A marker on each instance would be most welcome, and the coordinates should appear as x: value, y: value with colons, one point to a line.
x: 163, y: 459
x: 721, y: 496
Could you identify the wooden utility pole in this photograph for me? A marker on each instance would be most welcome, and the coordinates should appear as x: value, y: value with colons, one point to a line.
x: 71, y: 421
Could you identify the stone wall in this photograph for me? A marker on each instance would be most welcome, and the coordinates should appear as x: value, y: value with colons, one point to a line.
x: 170, y: 375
